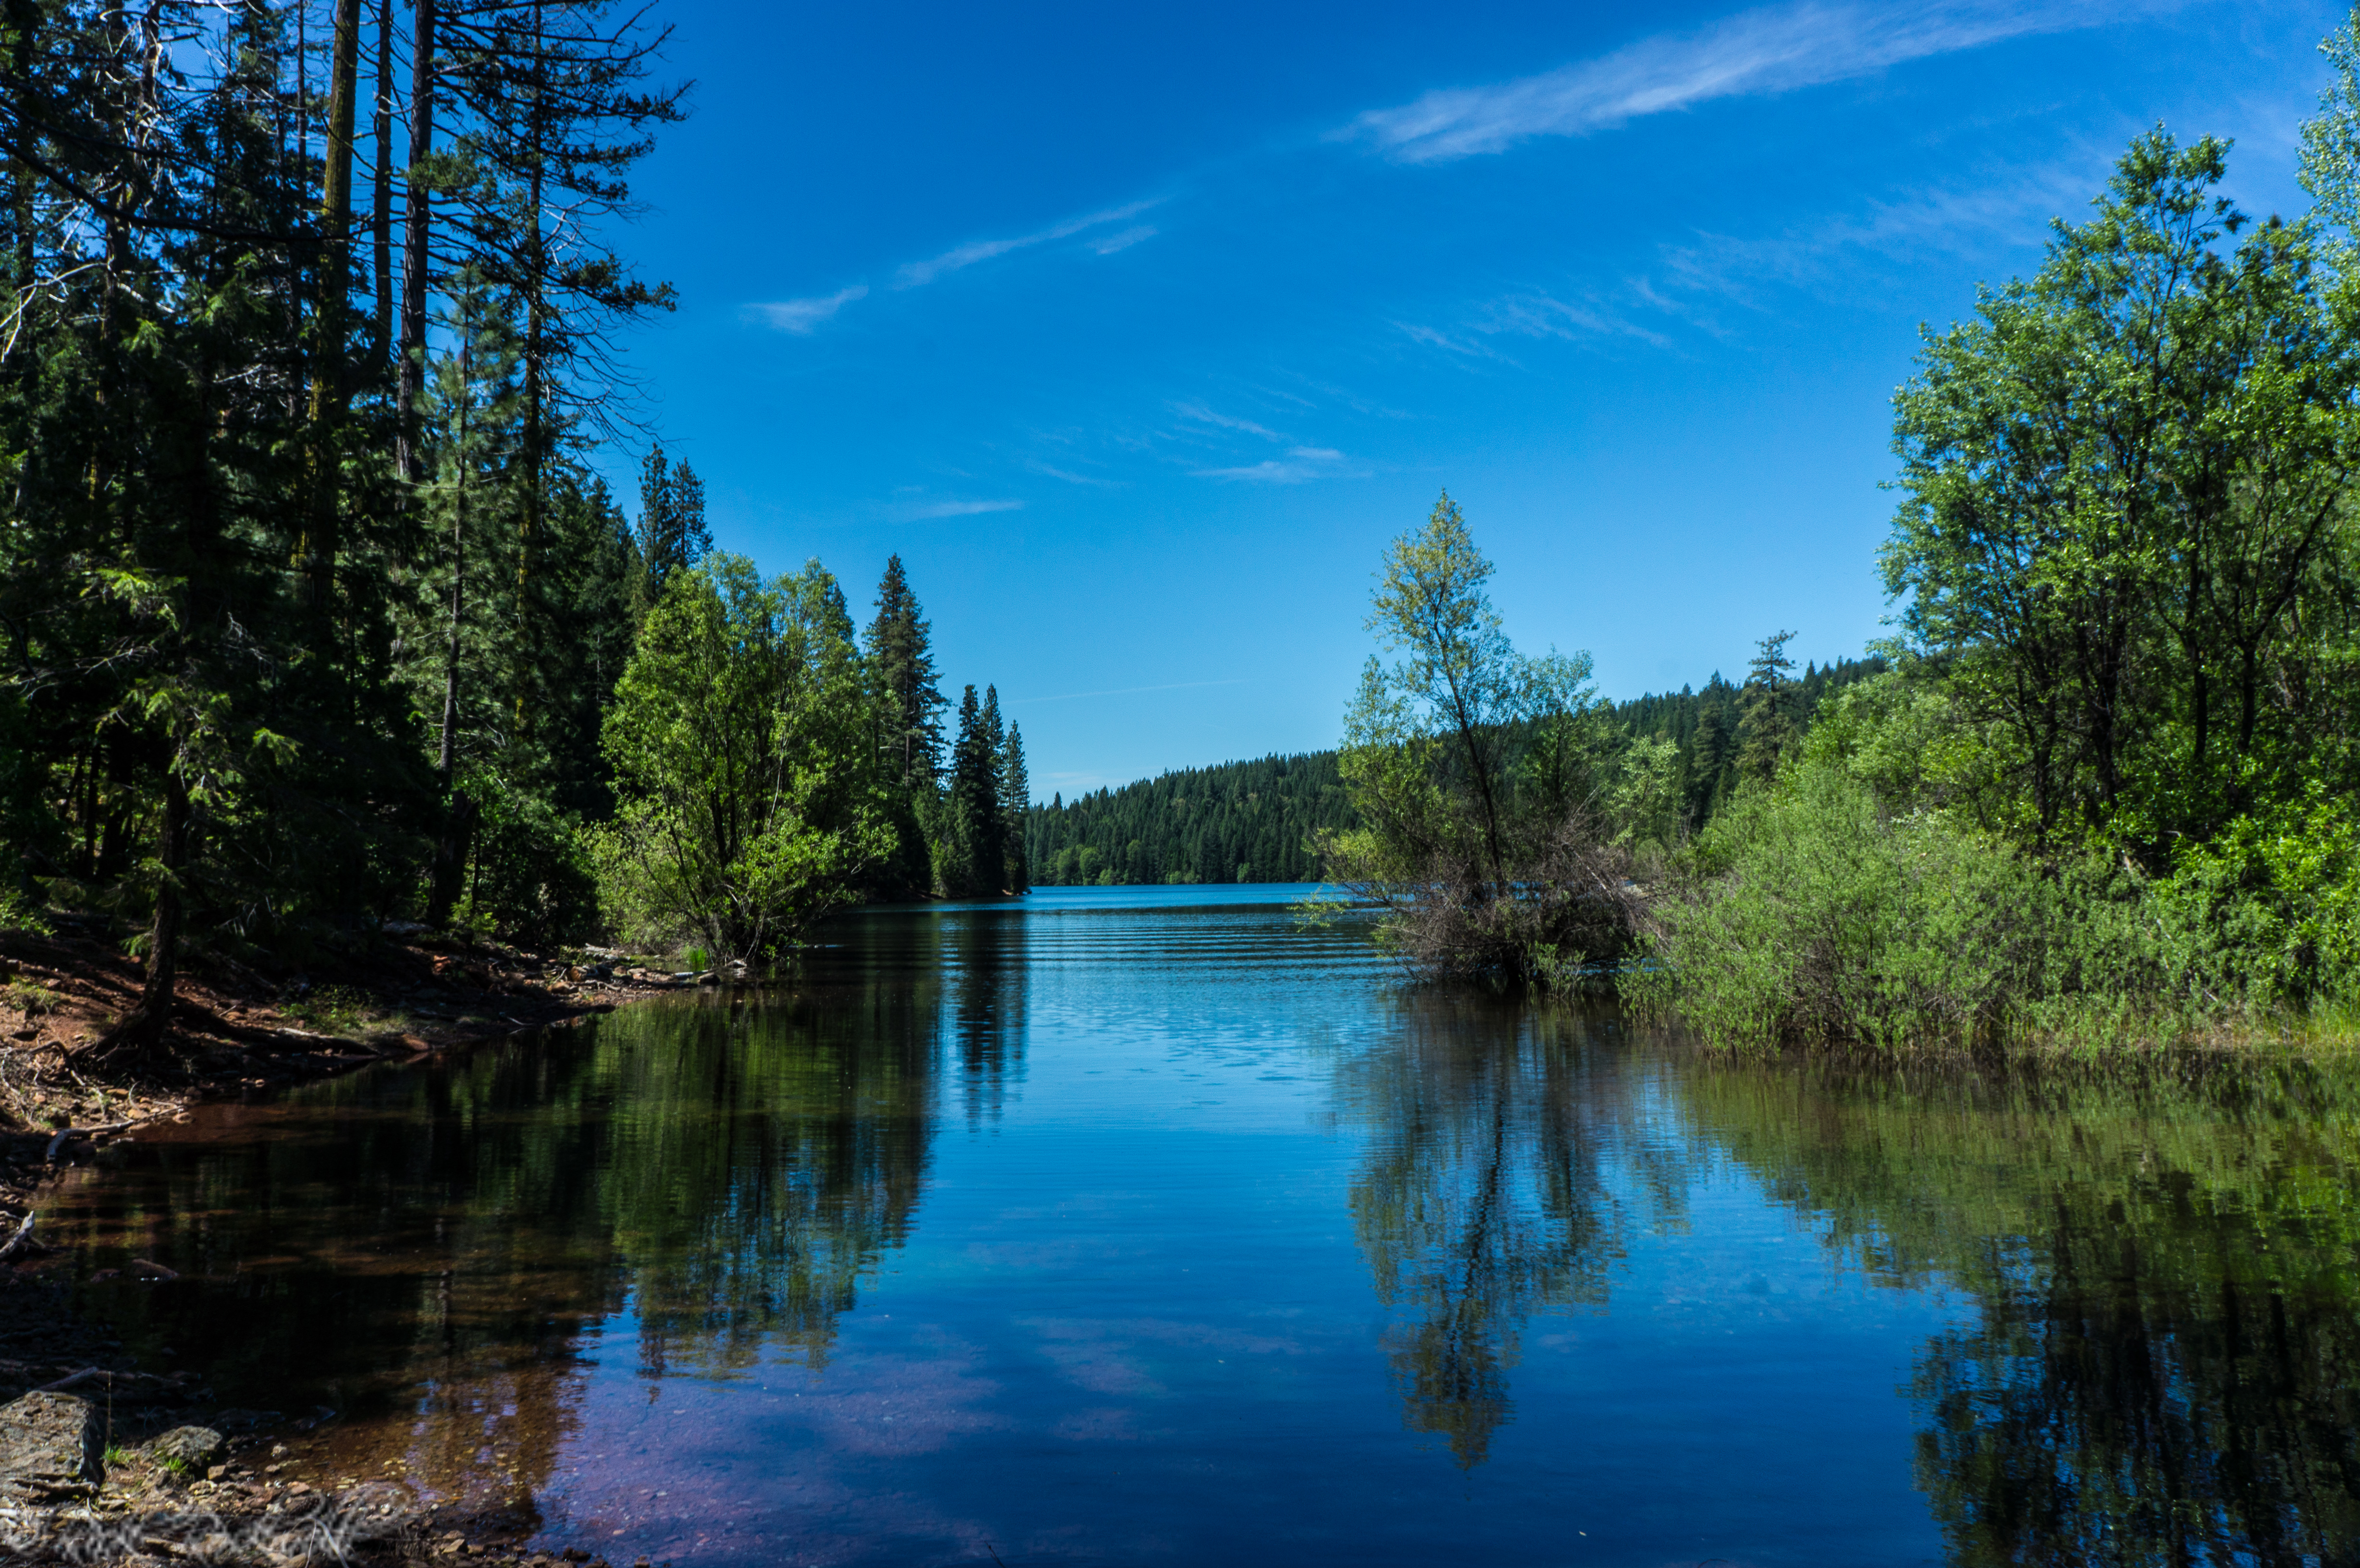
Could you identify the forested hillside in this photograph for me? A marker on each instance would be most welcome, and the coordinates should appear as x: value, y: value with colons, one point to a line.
x: 1237, y: 821
x: 1254, y: 822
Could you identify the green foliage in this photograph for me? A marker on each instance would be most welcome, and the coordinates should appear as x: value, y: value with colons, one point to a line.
x: 2269, y: 912
x: 2104, y: 795
x: 2123, y: 527
x: 1817, y: 917
x: 1476, y: 773
x: 751, y: 797
x: 531, y: 878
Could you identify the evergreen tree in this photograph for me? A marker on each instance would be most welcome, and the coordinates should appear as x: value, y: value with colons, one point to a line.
x: 1769, y: 725
x: 1015, y: 806
x: 900, y: 647
x: 671, y: 535
x: 974, y: 861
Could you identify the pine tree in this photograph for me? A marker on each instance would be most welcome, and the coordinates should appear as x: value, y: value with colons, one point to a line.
x: 1015, y: 809
x: 1768, y: 727
x: 900, y: 646
x: 672, y: 534
x: 974, y: 863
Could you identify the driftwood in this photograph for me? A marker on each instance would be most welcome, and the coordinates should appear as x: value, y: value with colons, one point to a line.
x: 23, y: 1233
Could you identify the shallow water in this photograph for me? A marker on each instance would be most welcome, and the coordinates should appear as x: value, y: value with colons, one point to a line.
x: 1141, y: 1225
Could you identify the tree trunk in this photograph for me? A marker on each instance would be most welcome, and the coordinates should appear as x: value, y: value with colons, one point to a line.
x: 381, y: 208
x: 418, y: 214
x: 328, y: 390
x: 23, y: 20
x: 536, y: 351
x: 459, y: 812
x: 451, y: 859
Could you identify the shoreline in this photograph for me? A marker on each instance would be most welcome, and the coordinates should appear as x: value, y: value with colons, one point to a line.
x: 236, y: 1035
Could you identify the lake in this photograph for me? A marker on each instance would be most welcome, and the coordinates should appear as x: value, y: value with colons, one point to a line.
x: 1149, y: 1226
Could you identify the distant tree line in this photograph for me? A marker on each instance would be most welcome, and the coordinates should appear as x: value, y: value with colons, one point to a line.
x: 1237, y: 822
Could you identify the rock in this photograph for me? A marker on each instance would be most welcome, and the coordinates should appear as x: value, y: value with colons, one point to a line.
x: 192, y: 1447
x: 49, y: 1444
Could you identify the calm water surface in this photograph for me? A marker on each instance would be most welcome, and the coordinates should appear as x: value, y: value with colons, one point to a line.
x: 1142, y: 1226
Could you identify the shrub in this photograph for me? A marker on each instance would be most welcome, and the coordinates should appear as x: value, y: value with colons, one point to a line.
x: 2269, y: 912
x: 1809, y: 913
x: 530, y: 880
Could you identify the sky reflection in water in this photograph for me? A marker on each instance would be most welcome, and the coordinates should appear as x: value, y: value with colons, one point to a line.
x: 1140, y: 1225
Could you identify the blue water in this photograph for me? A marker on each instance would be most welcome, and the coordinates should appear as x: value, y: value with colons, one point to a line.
x: 1142, y: 1226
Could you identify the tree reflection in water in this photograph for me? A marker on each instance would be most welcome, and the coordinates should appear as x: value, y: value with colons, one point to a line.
x: 442, y: 1242
x: 1499, y: 1181
x: 2165, y: 1275
x: 986, y: 954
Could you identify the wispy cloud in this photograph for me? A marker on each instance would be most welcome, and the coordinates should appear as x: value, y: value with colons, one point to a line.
x: 917, y: 274
x: 1535, y: 314
x: 1123, y: 691
x: 1204, y: 415
x: 925, y: 511
x: 1770, y: 49
x: 1069, y: 476
x: 1693, y: 282
x: 1125, y: 240
x: 1300, y: 464
x: 800, y: 316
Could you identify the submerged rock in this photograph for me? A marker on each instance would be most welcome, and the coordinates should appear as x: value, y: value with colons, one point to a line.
x: 49, y: 1444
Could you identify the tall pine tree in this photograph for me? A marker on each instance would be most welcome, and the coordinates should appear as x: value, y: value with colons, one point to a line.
x: 1015, y: 803
x: 671, y: 535
x: 974, y: 860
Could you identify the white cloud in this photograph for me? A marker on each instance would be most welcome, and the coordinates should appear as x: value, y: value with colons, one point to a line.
x: 1301, y: 466
x: 1037, y: 466
x: 1541, y: 315
x: 918, y: 274
x: 1769, y: 49
x: 800, y: 316
x: 1203, y: 415
x: 923, y: 511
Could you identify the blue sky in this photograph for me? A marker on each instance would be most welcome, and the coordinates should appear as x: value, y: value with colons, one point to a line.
x: 1137, y: 330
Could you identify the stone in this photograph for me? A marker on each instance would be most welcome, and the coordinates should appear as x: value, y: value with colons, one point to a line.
x: 50, y: 1444
x: 192, y: 1447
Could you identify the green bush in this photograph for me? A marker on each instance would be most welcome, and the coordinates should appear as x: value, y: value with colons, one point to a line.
x: 2268, y: 913
x: 1809, y: 913
x: 530, y: 880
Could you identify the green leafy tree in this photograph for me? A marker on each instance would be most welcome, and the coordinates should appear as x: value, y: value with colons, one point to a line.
x: 1473, y: 769
x: 2123, y: 528
x: 751, y: 802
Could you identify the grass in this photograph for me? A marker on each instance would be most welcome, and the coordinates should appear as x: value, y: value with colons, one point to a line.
x: 33, y: 1000
x: 336, y: 1009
